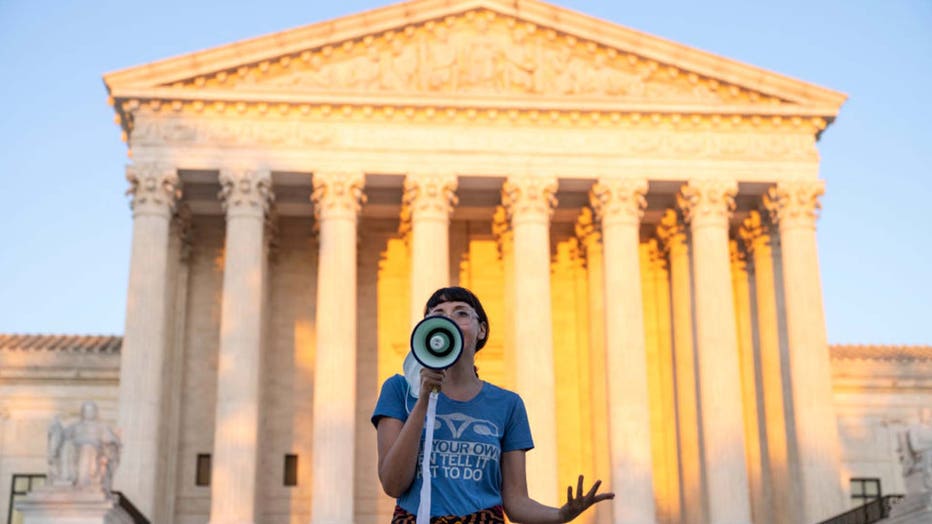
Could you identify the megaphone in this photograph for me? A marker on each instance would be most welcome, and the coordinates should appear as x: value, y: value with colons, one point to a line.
x: 436, y: 342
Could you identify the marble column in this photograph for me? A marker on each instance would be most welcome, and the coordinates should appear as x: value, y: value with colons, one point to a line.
x: 757, y: 235
x: 154, y: 191
x: 246, y: 195
x: 529, y: 202
x: 180, y: 251
x: 674, y: 239
x: 426, y: 208
x: 504, y: 238
x: 670, y: 503
x: 794, y: 206
x: 590, y: 238
x: 758, y: 483
x: 707, y: 205
x: 337, y: 200
x: 619, y: 205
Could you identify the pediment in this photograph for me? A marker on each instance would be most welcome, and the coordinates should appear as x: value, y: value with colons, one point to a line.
x: 485, y: 51
x: 482, y: 55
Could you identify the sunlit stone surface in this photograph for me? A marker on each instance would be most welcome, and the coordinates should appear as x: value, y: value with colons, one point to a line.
x: 638, y: 217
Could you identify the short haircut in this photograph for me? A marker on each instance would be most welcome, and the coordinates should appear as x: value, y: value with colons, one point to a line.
x: 460, y: 294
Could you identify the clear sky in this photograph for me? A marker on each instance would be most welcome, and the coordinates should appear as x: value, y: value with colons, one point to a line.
x: 65, y: 223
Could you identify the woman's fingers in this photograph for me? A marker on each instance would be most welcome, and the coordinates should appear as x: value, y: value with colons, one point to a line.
x: 575, y: 505
x: 594, y: 489
x: 431, y: 379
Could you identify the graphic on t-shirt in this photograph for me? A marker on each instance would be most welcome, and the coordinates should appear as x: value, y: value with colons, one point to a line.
x: 460, y: 422
x: 463, y: 457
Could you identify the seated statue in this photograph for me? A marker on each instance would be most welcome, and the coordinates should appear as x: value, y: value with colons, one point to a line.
x: 915, y: 449
x: 83, y: 455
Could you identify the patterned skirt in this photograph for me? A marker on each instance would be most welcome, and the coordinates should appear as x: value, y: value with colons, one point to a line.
x: 493, y: 515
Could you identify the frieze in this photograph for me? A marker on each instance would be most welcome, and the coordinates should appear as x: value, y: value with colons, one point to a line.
x: 644, y: 140
x: 478, y: 52
x: 223, y: 132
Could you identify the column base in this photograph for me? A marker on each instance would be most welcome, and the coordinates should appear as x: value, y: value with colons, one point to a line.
x: 70, y: 506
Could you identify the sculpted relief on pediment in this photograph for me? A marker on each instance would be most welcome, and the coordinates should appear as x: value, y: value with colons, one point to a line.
x: 478, y: 53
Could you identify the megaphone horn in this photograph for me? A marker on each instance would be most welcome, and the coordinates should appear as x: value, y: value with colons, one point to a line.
x: 436, y: 342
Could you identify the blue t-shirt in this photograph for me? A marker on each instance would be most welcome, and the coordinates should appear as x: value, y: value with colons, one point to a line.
x: 469, y: 439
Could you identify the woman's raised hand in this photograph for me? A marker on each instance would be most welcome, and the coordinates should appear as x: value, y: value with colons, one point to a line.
x: 431, y: 380
x: 575, y: 505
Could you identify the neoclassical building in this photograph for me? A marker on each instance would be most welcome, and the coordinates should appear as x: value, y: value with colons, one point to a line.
x: 638, y: 217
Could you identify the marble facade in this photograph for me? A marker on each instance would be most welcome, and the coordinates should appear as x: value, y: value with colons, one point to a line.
x: 639, y: 218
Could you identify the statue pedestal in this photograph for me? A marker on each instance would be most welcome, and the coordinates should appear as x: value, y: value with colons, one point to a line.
x: 915, y: 508
x: 61, y: 506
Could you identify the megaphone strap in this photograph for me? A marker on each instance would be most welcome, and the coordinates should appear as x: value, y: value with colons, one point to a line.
x: 423, y: 508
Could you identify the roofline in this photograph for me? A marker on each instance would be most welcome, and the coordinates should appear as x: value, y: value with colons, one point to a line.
x: 418, y: 11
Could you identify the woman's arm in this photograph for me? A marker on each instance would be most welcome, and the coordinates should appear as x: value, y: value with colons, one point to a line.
x: 399, y: 441
x: 398, y: 447
x: 523, y: 509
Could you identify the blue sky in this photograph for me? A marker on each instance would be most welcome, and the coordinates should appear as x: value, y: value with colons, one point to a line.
x: 65, y: 223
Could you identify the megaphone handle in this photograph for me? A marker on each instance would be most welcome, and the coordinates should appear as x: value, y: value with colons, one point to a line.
x: 423, y: 508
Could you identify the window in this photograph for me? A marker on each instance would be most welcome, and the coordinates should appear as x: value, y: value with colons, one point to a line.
x: 202, y: 475
x: 291, y: 470
x: 20, y: 487
x: 864, y: 490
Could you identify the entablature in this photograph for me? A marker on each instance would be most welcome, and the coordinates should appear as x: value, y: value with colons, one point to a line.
x: 498, y: 58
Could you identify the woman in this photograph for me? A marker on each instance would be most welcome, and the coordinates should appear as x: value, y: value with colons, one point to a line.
x: 481, y: 437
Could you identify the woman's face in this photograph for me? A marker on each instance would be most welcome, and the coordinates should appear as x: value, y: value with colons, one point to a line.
x: 467, y: 320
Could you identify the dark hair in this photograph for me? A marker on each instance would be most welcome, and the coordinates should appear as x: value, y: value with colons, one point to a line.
x: 460, y: 294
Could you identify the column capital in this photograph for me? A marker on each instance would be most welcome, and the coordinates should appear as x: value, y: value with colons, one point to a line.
x: 154, y: 188
x: 427, y: 196
x: 501, y: 230
x: 530, y: 198
x: 671, y: 231
x: 738, y: 255
x: 619, y: 200
x: 588, y: 234
x: 184, y: 228
x: 795, y: 204
x: 656, y: 255
x: 246, y: 191
x: 271, y: 234
x: 588, y: 230
x: 337, y: 195
x: 707, y: 201
x: 755, y: 231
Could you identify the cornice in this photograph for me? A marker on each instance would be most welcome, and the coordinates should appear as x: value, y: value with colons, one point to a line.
x: 166, y: 97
